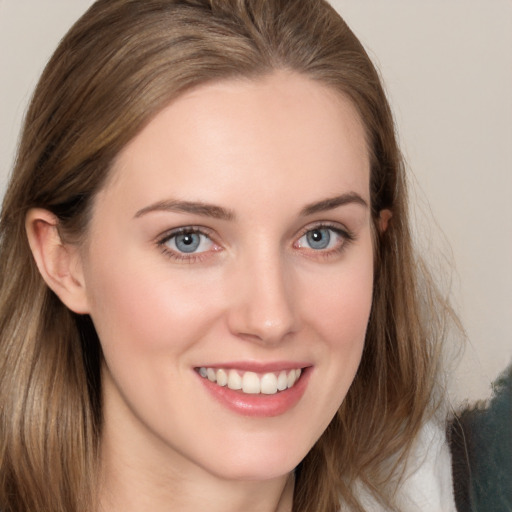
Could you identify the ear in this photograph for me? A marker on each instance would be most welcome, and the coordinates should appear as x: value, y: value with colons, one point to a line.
x: 60, y: 264
x: 384, y: 218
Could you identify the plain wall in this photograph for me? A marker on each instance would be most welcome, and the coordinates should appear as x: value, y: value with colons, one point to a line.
x: 447, y: 67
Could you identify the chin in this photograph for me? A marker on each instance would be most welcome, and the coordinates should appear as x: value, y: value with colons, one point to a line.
x: 258, y: 463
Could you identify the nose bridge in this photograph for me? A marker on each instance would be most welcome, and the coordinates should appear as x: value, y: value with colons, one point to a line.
x: 262, y: 305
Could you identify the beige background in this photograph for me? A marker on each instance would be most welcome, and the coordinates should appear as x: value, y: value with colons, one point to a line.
x: 447, y: 66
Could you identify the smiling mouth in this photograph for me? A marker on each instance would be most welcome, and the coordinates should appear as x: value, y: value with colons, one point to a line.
x: 252, y: 383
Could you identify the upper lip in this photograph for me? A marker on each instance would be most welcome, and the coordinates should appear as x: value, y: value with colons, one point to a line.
x: 258, y: 367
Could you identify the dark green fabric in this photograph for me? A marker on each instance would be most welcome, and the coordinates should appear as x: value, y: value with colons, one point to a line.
x: 481, y: 440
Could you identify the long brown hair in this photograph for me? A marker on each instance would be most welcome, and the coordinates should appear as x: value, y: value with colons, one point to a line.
x: 119, y: 65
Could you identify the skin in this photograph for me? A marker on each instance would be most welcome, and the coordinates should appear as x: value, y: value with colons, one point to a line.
x: 263, y: 150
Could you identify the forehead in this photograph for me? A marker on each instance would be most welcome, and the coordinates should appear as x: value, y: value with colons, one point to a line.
x: 248, y: 135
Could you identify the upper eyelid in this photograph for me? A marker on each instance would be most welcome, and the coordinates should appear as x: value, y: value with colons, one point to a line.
x: 335, y: 226
x: 167, y: 235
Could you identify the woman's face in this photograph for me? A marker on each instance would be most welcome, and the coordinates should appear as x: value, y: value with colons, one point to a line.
x: 232, y: 243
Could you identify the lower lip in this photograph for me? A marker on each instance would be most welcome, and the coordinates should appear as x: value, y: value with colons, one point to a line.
x: 259, y: 405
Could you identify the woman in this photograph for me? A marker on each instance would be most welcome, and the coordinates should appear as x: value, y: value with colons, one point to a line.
x: 209, y: 294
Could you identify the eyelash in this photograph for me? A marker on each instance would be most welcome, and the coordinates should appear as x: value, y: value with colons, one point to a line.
x: 346, y: 236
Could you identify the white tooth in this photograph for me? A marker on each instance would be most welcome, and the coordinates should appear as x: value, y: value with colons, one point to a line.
x: 282, y: 381
x: 291, y: 378
x: 210, y: 373
x: 202, y: 372
x: 234, y: 380
x: 222, y: 377
x: 269, y: 384
x: 251, y: 383
x: 298, y: 373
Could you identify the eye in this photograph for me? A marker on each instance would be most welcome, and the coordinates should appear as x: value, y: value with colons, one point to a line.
x: 319, y: 239
x: 187, y: 242
x: 324, y: 240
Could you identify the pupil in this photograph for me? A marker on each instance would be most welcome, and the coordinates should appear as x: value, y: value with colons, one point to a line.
x: 187, y: 239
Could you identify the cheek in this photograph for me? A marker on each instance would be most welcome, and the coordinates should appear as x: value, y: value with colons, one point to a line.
x: 340, y: 305
x: 338, y: 312
x: 142, y: 309
x: 335, y: 306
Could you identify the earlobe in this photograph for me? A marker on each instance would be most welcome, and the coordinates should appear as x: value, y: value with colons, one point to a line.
x: 59, y: 263
x: 384, y: 218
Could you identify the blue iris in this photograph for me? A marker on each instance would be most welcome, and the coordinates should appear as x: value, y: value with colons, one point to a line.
x: 318, y: 238
x: 187, y: 242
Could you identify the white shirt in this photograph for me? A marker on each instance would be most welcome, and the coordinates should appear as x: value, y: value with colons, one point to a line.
x: 427, y: 485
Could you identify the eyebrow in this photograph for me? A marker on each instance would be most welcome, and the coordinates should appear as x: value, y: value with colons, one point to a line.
x: 218, y: 212
x: 195, y: 207
x: 332, y: 203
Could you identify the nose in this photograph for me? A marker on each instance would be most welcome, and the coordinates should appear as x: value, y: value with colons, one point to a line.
x: 262, y: 305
